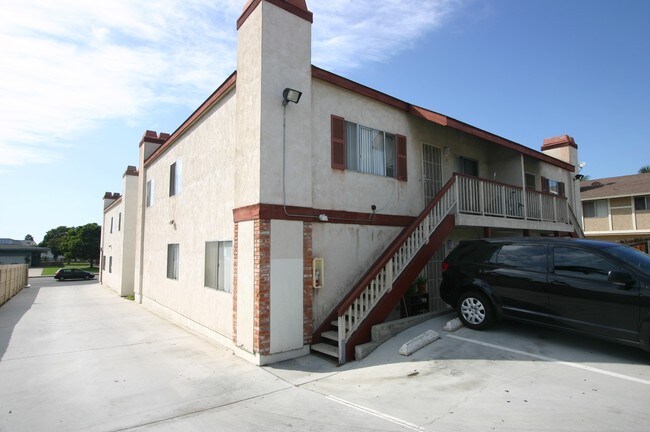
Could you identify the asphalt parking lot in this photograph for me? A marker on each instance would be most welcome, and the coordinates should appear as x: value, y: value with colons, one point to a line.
x: 73, y: 356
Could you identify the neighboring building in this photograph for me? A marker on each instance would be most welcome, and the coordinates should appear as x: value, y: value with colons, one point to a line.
x: 20, y: 252
x: 617, y: 209
x: 117, y: 262
x: 271, y: 212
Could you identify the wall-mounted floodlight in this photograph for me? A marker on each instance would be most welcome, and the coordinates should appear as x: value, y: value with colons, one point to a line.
x: 290, y: 95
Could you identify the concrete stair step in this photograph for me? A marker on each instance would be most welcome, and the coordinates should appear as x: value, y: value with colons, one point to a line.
x: 331, y: 335
x: 326, y: 349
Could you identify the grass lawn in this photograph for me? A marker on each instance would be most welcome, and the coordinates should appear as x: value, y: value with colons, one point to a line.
x: 49, y: 271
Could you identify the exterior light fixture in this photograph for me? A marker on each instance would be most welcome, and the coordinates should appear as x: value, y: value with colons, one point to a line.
x: 290, y: 95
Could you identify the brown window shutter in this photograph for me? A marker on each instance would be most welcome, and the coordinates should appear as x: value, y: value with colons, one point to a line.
x: 545, y: 185
x: 562, y: 189
x: 338, y: 142
x: 401, y: 158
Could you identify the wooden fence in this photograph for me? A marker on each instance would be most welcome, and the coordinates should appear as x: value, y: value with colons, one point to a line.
x: 13, y: 278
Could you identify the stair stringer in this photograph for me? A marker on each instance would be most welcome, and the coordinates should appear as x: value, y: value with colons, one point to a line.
x: 401, y: 284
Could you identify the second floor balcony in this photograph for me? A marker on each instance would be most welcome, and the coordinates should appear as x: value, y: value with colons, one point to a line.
x: 493, y: 204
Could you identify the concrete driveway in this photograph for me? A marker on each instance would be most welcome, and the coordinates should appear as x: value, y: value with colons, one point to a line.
x: 73, y: 356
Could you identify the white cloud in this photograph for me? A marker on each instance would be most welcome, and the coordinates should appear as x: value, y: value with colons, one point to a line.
x: 350, y: 33
x: 69, y: 65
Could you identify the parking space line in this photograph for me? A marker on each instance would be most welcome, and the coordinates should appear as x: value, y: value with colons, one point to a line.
x: 387, y: 417
x: 553, y: 360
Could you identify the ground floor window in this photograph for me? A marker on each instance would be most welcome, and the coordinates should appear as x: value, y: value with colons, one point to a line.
x: 110, y: 264
x: 218, y: 265
x: 172, y: 261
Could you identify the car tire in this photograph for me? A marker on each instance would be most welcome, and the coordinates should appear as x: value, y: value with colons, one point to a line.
x: 475, y: 310
x: 86, y: 277
x: 61, y: 279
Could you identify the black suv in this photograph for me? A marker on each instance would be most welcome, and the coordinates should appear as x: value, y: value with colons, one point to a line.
x: 591, y: 287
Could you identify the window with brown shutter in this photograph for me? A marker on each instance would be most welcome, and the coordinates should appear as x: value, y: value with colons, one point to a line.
x: 401, y: 158
x: 545, y: 185
x: 338, y: 142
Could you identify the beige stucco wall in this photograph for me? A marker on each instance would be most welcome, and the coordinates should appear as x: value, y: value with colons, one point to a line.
x: 348, y: 251
x: 622, y: 219
x: 201, y: 212
x: 112, y: 247
x: 596, y: 224
x: 643, y: 219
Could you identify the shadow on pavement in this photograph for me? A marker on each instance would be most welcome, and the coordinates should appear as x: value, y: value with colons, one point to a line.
x: 12, y: 312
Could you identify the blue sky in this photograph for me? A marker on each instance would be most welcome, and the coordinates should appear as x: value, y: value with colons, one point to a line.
x: 81, y: 81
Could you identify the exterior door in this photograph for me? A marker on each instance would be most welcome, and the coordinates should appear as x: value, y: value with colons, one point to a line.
x: 432, y: 182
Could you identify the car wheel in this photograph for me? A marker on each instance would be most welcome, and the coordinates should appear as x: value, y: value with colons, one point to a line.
x: 61, y: 279
x: 86, y: 277
x: 475, y: 310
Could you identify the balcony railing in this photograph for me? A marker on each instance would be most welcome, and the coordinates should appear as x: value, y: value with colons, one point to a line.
x: 489, y: 198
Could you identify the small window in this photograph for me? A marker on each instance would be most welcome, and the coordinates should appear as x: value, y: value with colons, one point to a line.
x: 110, y: 264
x: 119, y: 222
x: 175, y: 178
x: 580, y: 263
x: 103, y: 262
x: 553, y: 187
x: 172, y: 261
x: 218, y: 265
x: 467, y: 166
x: 150, y: 192
x: 530, y: 181
x: 594, y: 209
x: 642, y: 203
x: 525, y: 257
x: 111, y: 231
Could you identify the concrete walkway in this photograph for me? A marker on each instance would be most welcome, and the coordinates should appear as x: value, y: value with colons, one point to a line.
x: 74, y: 356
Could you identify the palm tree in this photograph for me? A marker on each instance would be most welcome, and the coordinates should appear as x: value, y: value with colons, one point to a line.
x: 644, y: 169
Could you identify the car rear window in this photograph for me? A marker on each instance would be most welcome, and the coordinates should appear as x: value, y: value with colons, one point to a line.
x: 526, y: 257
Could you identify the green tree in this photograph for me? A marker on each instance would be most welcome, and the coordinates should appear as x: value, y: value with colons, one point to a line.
x: 644, y: 169
x: 82, y: 242
x: 53, y: 239
x: 29, y: 237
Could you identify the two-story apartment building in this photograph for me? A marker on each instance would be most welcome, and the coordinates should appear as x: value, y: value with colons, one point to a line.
x: 295, y: 207
x: 117, y: 247
x: 618, y: 209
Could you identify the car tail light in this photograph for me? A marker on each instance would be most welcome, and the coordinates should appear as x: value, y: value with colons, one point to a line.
x: 445, y: 266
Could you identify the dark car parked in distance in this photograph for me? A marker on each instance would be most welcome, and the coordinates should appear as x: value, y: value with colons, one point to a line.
x: 72, y: 273
x: 591, y: 287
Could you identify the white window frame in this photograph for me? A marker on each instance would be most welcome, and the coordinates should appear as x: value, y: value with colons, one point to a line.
x: 173, y: 255
x: 175, y: 175
x: 600, y: 209
x: 370, y: 151
x: 218, y: 271
x: 150, y: 192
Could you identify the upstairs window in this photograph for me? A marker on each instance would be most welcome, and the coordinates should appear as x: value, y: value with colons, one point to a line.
x: 367, y: 150
x: 530, y: 181
x: 467, y: 166
x: 553, y: 187
x: 175, y: 178
x: 111, y: 231
x: 642, y: 202
x: 119, y: 221
x: 594, y: 209
x: 150, y: 191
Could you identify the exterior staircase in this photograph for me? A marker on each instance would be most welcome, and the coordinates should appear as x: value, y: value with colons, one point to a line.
x: 375, y: 295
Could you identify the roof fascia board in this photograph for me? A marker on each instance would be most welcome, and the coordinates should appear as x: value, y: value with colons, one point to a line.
x: 434, y: 117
